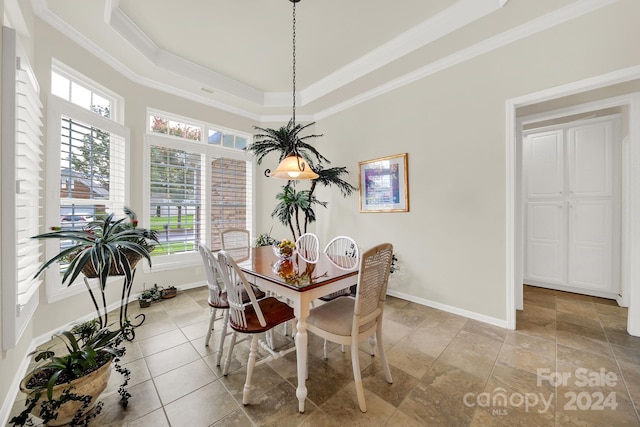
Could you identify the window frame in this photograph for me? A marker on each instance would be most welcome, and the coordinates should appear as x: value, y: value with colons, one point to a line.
x: 209, y: 151
x: 56, y: 108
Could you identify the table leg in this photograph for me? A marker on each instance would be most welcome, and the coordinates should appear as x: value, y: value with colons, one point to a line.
x: 301, y: 354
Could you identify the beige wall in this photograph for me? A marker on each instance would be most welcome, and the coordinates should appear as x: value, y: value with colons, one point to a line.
x: 451, y: 245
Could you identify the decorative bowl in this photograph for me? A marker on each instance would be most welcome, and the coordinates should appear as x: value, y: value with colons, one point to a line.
x: 283, y: 252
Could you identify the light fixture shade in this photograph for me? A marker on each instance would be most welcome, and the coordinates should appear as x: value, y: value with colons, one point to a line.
x: 294, y: 167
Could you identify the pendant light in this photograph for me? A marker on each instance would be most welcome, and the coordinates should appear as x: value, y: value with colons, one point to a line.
x: 294, y: 166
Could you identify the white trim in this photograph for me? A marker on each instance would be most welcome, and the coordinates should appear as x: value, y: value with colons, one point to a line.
x: 461, y: 13
x: 441, y: 24
x: 630, y: 270
x: 545, y: 22
x: 450, y: 309
x: 56, y: 108
x: 123, y: 25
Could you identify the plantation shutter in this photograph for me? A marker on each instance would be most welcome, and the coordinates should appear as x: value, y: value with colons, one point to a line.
x: 21, y: 187
x: 176, y: 199
x: 231, y: 197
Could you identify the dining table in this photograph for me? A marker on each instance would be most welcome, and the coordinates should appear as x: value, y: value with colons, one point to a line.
x: 300, y: 282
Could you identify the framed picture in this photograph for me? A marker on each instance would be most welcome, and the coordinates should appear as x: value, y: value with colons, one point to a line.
x: 384, y: 184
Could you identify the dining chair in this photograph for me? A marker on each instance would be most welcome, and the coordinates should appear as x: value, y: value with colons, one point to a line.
x: 307, y: 247
x: 255, y: 317
x: 348, y: 320
x: 342, y: 251
x: 237, y: 242
x: 218, y: 297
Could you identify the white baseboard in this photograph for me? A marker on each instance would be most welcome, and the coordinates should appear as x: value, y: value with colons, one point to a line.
x: 502, y: 323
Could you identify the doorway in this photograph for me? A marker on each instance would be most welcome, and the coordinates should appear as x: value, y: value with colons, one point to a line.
x: 571, y: 196
x: 629, y: 102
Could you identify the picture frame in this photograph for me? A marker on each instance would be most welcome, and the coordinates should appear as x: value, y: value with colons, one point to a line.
x: 384, y: 184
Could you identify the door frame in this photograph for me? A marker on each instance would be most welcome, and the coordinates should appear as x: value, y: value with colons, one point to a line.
x: 630, y: 197
x: 618, y: 187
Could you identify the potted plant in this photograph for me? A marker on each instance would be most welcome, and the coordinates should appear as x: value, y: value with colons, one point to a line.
x: 292, y: 201
x: 64, y: 388
x: 169, y: 292
x: 265, y: 239
x: 106, y: 247
x: 145, y: 298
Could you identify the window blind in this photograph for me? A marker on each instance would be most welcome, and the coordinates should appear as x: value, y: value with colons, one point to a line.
x: 231, y: 197
x: 21, y: 188
x: 176, y: 199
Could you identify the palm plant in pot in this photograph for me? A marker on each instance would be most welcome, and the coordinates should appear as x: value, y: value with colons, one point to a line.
x: 63, y: 389
x: 107, y: 247
x: 294, y: 202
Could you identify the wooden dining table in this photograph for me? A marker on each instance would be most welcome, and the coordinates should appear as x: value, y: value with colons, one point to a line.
x: 299, y: 282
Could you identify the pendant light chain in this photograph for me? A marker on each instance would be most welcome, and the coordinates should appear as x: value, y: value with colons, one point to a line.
x: 294, y: 61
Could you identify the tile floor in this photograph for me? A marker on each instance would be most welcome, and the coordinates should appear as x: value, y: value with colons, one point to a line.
x: 569, y: 363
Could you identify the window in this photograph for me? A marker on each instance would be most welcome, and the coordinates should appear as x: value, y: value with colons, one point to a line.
x: 87, y: 157
x: 75, y: 88
x: 21, y: 184
x: 176, y: 193
x: 196, y: 188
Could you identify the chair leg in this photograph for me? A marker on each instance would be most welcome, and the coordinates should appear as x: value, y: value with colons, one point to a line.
x: 212, y: 318
x: 250, y: 365
x: 324, y: 347
x: 372, y: 344
x: 357, y: 377
x: 225, y: 320
x: 383, y: 356
x: 227, y: 362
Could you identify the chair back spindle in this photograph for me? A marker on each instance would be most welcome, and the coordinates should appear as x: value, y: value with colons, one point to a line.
x: 214, y: 285
x: 308, y: 247
x: 235, y: 282
x: 343, y: 252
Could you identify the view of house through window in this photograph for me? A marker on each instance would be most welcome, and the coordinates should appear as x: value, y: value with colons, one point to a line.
x: 197, y: 188
x: 176, y: 192
x: 91, y: 148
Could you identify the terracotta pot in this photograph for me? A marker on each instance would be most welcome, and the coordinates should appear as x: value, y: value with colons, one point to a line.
x: 92, y: 385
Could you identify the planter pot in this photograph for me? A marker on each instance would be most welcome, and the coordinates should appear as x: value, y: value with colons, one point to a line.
x: 114, y: 270
x: 144, y: 303
x: 92, y: 385
x: 169, y: 293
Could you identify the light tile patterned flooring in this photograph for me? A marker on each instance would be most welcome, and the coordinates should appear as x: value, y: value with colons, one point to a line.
x: 569, y: 363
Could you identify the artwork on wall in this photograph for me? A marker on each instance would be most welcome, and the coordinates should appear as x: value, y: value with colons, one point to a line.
x: 384, y: 184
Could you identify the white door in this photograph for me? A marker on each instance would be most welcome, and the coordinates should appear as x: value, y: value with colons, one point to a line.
x: 572, y: 208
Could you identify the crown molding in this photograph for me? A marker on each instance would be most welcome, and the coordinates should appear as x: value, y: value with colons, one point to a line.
x: 447, y: 21
x: 123, y: 25
x: 542, y: 23
x: 432, y: 29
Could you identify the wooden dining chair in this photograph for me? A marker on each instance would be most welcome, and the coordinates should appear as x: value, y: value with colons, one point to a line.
x: 255, y: 317
x: 237, y: 242
x: 218, y: 300
x: 308, y: 247
x: 348, y: 320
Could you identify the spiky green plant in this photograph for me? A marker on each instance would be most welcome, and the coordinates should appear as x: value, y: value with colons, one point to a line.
x: 104, y: 245
x: 292, y: 202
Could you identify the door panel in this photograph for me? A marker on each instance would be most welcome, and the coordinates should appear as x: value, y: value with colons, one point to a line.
x: 590, y: 244
x: 545, y: 167
x: 546, y: 243
x: 590, y: 152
